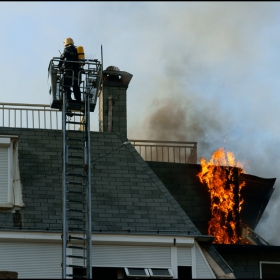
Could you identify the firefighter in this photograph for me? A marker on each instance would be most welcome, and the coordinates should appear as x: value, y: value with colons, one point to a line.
x: 70, y: 68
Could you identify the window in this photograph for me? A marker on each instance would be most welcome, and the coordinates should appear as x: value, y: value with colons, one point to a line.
x: 137, y: 272
x: 10, y: 185
x: 101, y: 273
x: 161, y: 272
x: 148, y: 272
x: 269, y: 270
x: 184, y: 272
x: 124, y: 273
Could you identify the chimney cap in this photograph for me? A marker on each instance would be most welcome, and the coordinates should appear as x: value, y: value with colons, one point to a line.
x: 112, y: 68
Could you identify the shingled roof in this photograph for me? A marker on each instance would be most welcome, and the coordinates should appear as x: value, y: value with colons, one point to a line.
x: 126, y: 193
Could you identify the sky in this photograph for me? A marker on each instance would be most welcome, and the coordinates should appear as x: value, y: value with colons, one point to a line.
x: 202, y: 71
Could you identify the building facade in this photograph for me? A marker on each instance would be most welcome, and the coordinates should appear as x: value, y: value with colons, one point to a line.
x: 139, y: 228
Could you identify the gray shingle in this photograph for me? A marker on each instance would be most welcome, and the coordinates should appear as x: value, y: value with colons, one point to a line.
x: 126, y: 193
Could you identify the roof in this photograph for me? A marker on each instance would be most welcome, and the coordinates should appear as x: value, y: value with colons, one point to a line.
x: 183, y: 183
x: 256, y: 194
x: 126, y: 193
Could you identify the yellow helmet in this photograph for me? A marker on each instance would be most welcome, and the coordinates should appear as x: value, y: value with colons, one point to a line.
x: 68, y: 41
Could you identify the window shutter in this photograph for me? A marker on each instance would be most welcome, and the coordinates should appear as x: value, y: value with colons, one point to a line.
x: 3, y: 175
x: 184, y: 256
x: 31, y: 260
x: 128, y: 256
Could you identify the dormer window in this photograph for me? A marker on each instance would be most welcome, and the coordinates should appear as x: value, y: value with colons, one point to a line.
x: 10, y: 184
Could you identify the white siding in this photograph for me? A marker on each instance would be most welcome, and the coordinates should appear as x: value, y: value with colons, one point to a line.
x: 40, y: 259
x: 129, y: 256
x: 31, y: 260
x: 202, y: 267
x: 4, y: 175
x: 184, y: 256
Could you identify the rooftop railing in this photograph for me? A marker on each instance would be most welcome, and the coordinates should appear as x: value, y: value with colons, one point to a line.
x: 166, y: 151
x: 32, y: 116
x: 41, y: 116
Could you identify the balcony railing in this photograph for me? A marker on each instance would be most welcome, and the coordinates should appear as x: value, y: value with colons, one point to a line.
x: 166, y: 151
x: 41, y: 116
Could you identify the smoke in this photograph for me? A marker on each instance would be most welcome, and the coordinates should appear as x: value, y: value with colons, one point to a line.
x: 178, y: 119
x: 211, y: 88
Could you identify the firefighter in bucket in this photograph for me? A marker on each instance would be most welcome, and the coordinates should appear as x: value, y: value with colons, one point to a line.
x: 70, y: 69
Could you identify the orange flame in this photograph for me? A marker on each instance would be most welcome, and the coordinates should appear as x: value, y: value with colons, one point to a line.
x: 221, y: 176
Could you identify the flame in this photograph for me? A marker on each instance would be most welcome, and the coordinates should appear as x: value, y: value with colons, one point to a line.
x: 220, y: 175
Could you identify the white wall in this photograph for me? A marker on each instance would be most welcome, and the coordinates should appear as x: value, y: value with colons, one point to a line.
x: 39, y: 255
x: 31, y: 260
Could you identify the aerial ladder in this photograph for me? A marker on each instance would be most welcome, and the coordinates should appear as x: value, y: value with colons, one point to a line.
x: 76, y: 164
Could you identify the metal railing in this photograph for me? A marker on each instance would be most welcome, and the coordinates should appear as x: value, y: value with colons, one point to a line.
x: 32, y: 116
x: 166, y: 151
x: 41, y: 116
x: 89, y: 77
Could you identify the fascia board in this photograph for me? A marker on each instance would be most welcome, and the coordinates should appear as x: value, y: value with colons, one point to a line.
x: 101, y: 238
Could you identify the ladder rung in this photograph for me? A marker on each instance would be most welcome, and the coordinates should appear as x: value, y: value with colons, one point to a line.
x: 75, y: 219
x: 75, y: 257
x: 75, y: 192
x: 76, y: 165
x: 76, y: 237
x: 74, y: 139
x: 77, y: 114
x: 80, y: 123
x: 75, y: 183
x: 80, y: 212
x: 76, y: 229
x: 75, y: 157
x: 76, y: 247
x: 75, y: 174
x: 77, y: 266
x: 76, y: 276
x: 76, y: 210
x: 75, y: 148
x: 72, y: 200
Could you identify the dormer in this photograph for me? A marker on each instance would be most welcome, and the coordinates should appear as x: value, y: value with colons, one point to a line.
x: 10, y: 184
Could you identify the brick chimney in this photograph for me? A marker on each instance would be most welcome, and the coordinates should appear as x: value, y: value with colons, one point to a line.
x: 112, y: 101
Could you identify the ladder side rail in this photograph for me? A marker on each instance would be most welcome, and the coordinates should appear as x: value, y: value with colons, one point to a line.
x: 88, y: 170
x: 64, y: 225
